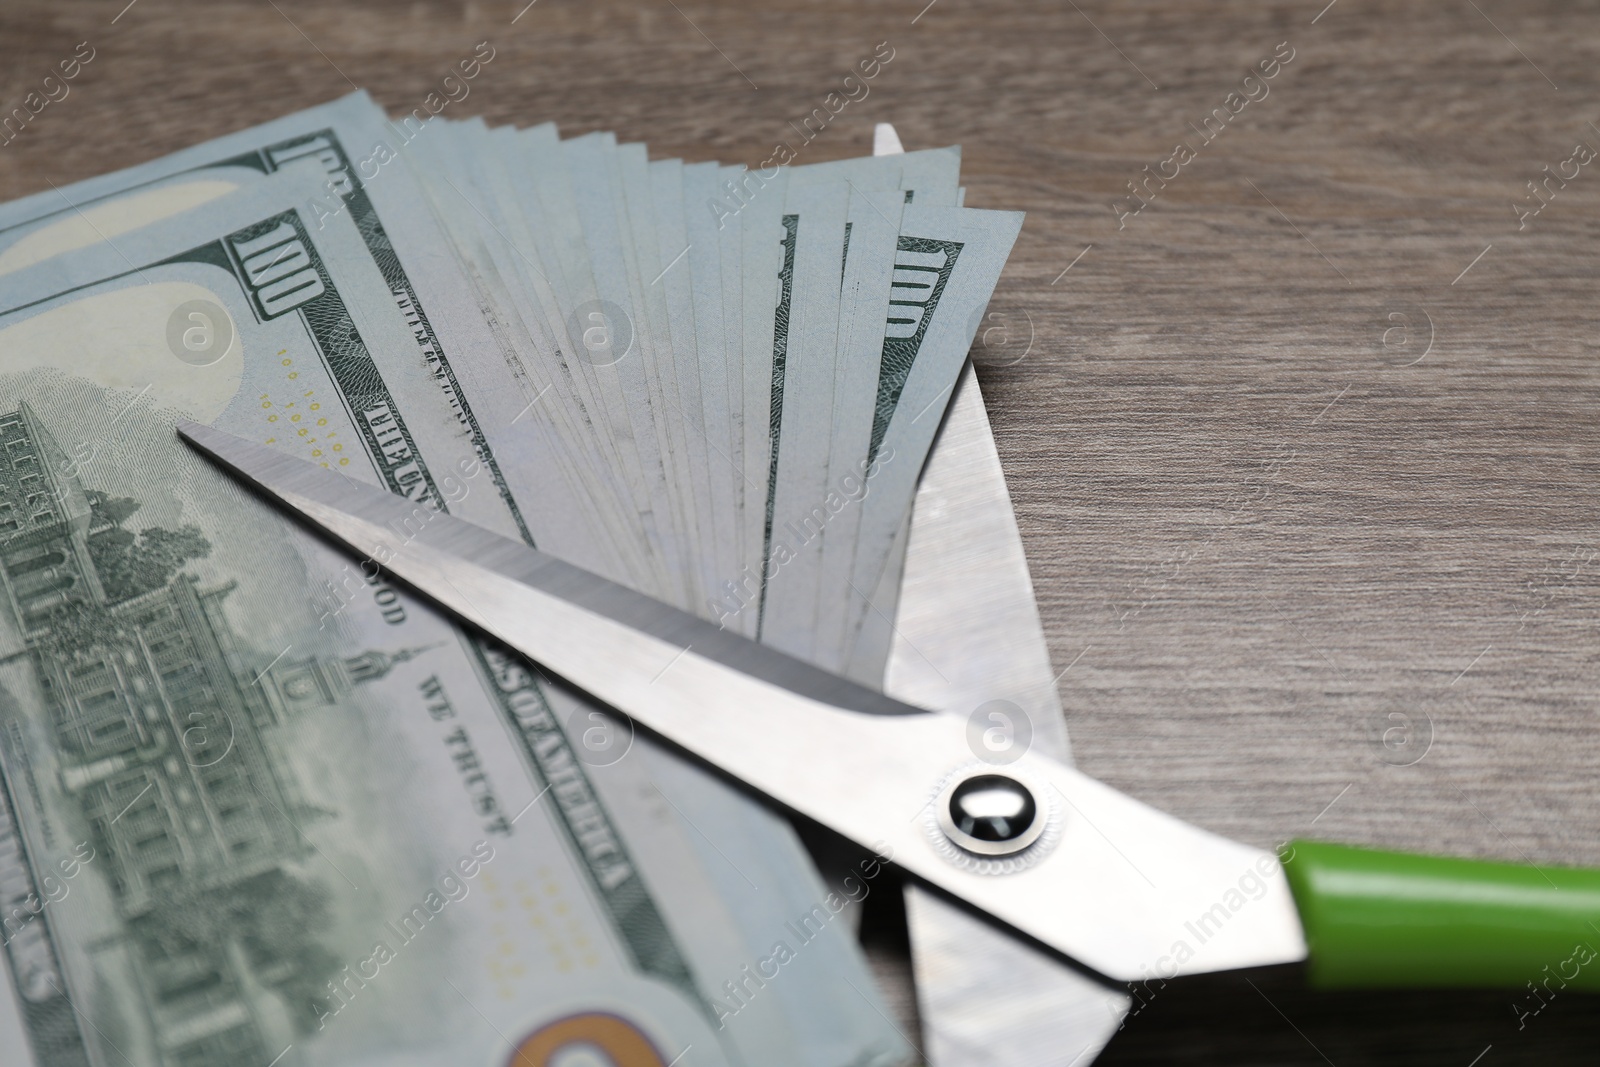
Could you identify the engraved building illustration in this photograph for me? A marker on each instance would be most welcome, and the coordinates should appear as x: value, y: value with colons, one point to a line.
x: 162, y: 725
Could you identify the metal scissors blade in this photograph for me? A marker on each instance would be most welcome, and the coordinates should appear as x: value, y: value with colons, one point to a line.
x: 1102, y: 878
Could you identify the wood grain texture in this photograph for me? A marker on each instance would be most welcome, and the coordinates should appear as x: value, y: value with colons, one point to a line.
x: 1264, y: 528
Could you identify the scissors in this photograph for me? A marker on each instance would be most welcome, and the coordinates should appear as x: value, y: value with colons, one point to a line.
x: 1120, y: 889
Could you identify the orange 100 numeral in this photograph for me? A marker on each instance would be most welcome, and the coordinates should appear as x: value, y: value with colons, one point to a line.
x: 615, y: 1038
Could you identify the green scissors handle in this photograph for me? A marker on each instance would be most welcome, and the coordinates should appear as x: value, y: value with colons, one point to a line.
x: 1391, y: 919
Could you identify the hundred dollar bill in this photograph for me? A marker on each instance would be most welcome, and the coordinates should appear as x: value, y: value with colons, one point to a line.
x: 767, y: 243
x: 786, y: 534
x: 634, y: 205
x: 704, y: 265
x: 803, y: 384
x: 868, y: 277
x: 366, y: 182
x: 516, y: 305
x: 686, y: 409
x: 947, y: 262
x: 764, y: 835
x: 300, y: 832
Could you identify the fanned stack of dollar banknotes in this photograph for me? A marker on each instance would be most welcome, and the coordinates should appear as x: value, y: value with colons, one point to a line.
x: 262, y: 808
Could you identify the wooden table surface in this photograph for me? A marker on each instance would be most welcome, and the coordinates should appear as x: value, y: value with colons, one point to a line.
x: 1307, y: 443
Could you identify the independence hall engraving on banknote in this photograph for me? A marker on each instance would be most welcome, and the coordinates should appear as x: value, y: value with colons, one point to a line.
x: 162, y: 737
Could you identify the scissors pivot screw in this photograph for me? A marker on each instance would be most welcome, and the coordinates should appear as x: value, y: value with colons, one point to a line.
x: 989, y: 814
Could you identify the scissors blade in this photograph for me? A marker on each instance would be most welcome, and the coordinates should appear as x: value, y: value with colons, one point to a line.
x: 966, y: 634
x: 1114, y: 884
x: 985, y: 998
